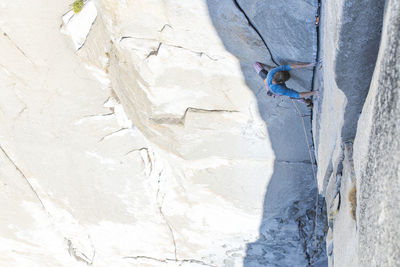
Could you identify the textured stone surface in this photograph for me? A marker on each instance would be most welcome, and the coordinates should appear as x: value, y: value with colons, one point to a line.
x: 343, y: 240
x: 288, y: 27
x: 209, y: 171
x: 286, y: 137
x: 350, y: 41
x: 78, y: 25
x: 72, y: 193
x: 376, y: 154
x: 174, y: 126
x: 345, y: 80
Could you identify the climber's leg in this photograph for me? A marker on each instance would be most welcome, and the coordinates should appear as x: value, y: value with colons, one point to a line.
x: 306, y: 101
x: 259, y: 68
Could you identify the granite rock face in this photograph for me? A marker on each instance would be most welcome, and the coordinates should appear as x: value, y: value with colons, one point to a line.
x: 144, y: 137
x: 289, y: 34
x: 350, y: 42
x: 163, y: 57
x: 288, y: 29
x: 355, y: 134
x: 377, y: 154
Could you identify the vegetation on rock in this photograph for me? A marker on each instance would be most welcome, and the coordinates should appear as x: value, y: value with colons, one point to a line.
x: 77, y: 6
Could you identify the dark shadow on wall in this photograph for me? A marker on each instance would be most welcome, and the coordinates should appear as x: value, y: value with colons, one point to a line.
x: 287, y: 228
x: 358, y: 41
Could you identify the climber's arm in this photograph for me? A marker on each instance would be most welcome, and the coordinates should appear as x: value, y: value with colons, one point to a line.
x: 302, y: 65
x: 307, y: 94
x: 283, y: 90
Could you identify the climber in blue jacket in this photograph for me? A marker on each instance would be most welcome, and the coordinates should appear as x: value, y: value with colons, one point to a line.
x: 275, y: 79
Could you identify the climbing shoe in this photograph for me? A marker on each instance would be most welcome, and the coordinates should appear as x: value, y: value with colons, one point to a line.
x: 308, y: 102
x: 258, y: 67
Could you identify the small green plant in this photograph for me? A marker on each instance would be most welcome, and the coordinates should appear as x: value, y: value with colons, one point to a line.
x: 77, y: 6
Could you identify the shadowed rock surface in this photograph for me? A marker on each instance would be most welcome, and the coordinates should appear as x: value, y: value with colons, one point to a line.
x: 377, y: 154
x: 289, y: 34
x: 352, y: 35
x: 350, y: 42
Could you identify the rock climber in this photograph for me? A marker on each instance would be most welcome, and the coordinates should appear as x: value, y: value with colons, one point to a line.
x: 275, y: 80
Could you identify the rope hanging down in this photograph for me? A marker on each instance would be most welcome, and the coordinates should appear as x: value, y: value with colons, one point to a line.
x: 315, y: 178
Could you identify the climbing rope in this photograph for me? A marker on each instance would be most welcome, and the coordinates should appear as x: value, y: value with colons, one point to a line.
x: 315, y: 178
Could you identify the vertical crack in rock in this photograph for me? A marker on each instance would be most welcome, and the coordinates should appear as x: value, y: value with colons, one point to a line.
x: 163, y: 215
x: 171, y: 231
x: 256, y: 30
x: 150, y: 166
x: 318, y: 44
x: 146, y: 158
x: 315, y: 68
x: 315, y: 251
